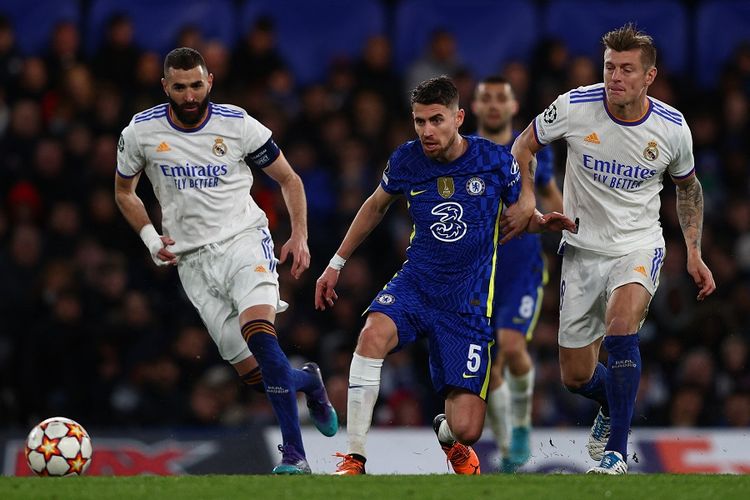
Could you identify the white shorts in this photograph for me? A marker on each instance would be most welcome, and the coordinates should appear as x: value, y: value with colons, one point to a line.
x: 223, y: 279
x: 586, y: 283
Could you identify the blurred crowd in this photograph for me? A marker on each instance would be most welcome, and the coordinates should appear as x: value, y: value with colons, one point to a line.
x: 91, y: 329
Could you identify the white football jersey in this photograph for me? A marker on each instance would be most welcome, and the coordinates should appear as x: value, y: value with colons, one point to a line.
x: 199, y: 175
x: 614, y: 168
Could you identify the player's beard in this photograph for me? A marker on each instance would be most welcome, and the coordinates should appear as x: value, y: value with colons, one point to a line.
x: 441, y: 154
x: 496, y: 125
x: 189, y: 117
x: 493, y: 129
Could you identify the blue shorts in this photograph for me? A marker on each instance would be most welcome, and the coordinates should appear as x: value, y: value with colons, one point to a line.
x: 519, y: 285
x: 461, y: 345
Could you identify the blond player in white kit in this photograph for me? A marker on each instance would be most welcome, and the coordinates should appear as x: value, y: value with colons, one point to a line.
x: 620, y: 144
x: 198, y: 155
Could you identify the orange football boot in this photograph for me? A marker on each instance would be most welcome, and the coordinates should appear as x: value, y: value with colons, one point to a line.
x: 462, y: 458
x: 350, y: 465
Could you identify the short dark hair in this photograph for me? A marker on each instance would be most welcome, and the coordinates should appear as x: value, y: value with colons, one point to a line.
x: 628, y: 37
x: 493, y: 79
x: 184, y: 58
x: 438, y: 90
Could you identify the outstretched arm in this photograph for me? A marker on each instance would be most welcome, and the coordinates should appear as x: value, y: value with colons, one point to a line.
x: 134, y: 212
x: 368, y: 217
x: 293, y: 193
x: 553, y: 221
x: 516, y: 218
x: 690, y: 215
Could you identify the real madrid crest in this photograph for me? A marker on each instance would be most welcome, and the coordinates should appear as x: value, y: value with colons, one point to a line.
x: 475, y: 186
x: 446, y: 188
x: 652, y: 151
x: 220, y: 149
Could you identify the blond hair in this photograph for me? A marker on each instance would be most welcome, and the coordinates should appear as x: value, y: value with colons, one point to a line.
x: 628, y: 38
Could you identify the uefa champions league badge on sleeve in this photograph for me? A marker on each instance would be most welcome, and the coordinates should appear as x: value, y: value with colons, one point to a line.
x: 550, y: 114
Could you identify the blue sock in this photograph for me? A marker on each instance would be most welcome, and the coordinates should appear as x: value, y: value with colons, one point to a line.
x: 277, y: 378
x: 622, y: 387
x: 596, y: 388
x: 304, y: 381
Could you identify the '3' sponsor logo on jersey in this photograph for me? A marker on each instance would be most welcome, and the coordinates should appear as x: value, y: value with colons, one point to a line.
x: 450, y: 227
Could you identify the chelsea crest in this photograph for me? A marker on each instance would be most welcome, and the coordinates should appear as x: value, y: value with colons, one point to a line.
x: 475, y: 186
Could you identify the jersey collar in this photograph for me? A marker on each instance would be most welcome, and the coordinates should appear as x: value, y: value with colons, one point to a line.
x: 189, y: 130
x: 629, y: 123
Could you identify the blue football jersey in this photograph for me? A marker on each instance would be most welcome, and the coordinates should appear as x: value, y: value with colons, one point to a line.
x: 456, y: 209
x: 519, y: 290
x: 528, y: 246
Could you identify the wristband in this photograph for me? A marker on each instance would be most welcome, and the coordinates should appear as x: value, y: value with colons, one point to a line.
x: 337, y: 262
x: 151, y: 239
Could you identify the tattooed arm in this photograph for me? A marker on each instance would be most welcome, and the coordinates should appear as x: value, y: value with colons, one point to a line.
x: 516, y: 218
x: 690, y: 214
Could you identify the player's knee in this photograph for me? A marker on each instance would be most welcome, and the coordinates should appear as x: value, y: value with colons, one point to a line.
x: 512, y: 344
x: 466, y: 433
x: 619, y: 325
x: 575, y: 381
x: 514, y: 350
x: 373, y: 342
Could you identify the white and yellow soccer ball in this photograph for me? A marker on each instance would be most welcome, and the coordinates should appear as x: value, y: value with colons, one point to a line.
x: 58, y: 446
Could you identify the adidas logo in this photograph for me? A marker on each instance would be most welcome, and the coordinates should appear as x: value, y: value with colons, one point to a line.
x: 261, y: 269
x: 161, y: 148
x: 593, y: 138
x: 640, y: 269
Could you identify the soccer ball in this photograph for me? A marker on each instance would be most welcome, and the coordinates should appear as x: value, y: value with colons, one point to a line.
x: 58, y: 446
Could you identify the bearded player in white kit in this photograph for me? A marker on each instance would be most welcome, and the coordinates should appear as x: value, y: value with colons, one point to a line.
x: 620, y: 144
x: 198, y: 155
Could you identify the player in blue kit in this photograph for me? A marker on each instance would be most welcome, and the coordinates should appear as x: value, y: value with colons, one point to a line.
x: 518, y: 295
x: 455, y: 187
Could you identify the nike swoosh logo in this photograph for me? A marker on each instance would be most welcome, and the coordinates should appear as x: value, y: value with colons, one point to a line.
x: 415, y: 193
x: 469, y: 376
x: 518, y: 320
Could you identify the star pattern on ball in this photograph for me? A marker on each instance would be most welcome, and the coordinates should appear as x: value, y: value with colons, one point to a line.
x: 76, y: 463
x: 75, y: 430
x: 49, y: 448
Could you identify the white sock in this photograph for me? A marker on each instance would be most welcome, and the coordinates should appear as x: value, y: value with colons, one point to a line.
x: 364, y: 385
x: 445, y: 435
x: 498, y: 411
x: 521, y: 390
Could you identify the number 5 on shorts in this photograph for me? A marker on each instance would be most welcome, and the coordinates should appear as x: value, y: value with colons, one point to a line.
x: 475, y: 358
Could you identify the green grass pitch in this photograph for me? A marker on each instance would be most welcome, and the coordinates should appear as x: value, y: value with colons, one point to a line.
x: 517, y: 487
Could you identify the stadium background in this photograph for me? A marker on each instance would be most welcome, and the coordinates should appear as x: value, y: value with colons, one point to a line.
x: 90, y: 329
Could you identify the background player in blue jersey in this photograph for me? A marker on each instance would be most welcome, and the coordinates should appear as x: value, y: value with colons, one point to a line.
x: 455, y: 187
x: 194, y: 152
x: 621, y: 143
x: 518, y: 292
